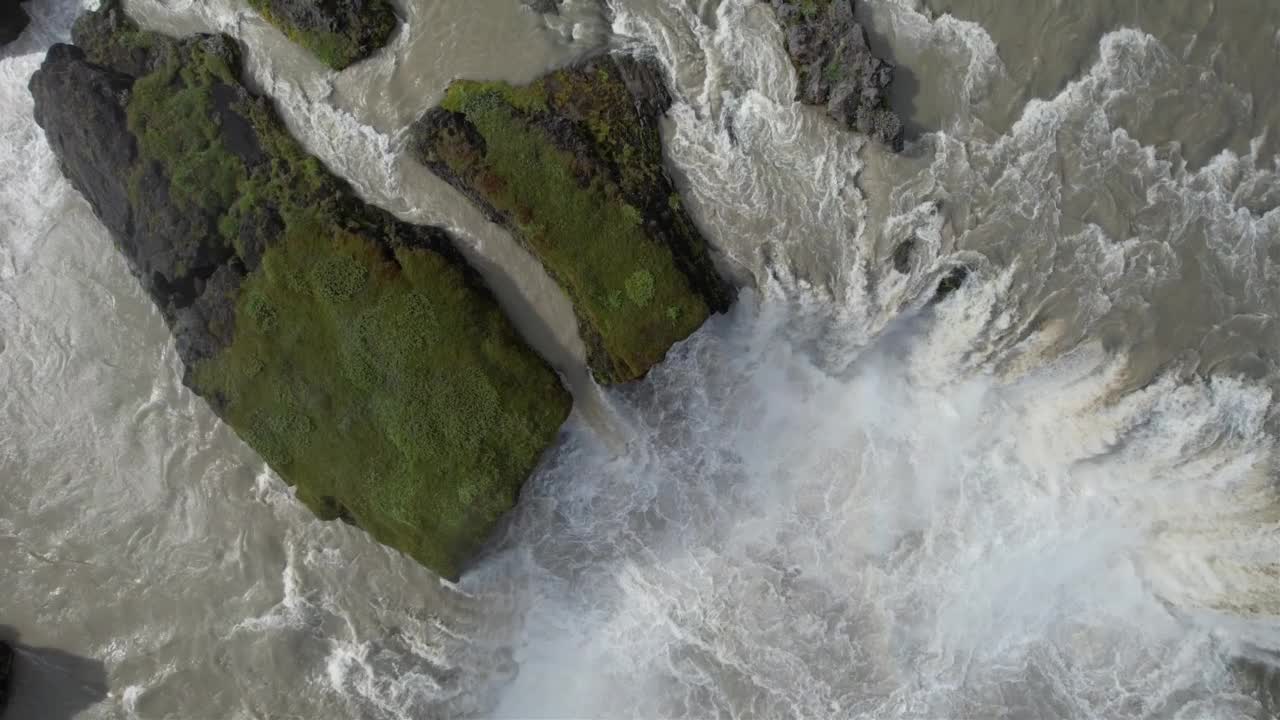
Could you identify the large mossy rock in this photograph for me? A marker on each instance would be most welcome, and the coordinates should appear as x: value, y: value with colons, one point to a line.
x: 837, y: 68
x: 13, y: 20
x: 572, y: 164
x: 359, y: 355
x: 339, y: 32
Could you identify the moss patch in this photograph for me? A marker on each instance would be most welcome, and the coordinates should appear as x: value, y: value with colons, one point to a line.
x: 575, y: 169
x: 360, y: 356
x: 352, y: 31
x: 384, y: 385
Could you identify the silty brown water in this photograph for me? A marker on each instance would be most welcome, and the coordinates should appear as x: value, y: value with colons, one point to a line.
x: 1048, y: 496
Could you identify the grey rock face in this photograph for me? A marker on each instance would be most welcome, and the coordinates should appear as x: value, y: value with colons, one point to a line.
x: 94, y: 144
x: 837, y: 68
x: 951, y: 282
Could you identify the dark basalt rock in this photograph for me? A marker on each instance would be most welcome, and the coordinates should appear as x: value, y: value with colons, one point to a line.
x: 837, y: 68
x: 171, y: 247
x: 572, y: 164
x: 13, y: 20
x: 951, y: 282
x: 903, y: 255
x: 361, y: 356
x: 6, y: 670
x: 339, y: 32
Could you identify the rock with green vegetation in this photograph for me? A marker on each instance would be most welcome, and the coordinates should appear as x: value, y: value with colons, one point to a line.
x: 339, y: 32
x: 13, y: 20
x: 572, y: 164
x: 837, y: 68
x: 359, y: 355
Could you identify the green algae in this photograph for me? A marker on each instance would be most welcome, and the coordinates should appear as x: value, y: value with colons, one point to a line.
x: 368, y: 365
x: 590, y: 198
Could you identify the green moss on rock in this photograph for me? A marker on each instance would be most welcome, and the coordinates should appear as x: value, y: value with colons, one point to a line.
x: 359, y: 355
x: 386, y: 387
x: 573, y: 165
x: 339, y: 32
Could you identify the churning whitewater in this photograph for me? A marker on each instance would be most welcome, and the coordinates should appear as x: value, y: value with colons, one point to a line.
x: 1050, y: 495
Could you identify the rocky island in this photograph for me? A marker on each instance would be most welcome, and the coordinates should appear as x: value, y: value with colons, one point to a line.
x: 572, y: 164
x: 13, y: 20
x: 360, y: 356
x: 339, y: 32
x: 837, y: 68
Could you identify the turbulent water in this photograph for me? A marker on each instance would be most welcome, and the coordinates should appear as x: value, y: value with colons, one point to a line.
x: 1051, y: 495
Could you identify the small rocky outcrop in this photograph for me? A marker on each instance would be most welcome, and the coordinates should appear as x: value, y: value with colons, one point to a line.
x: 948, y: 284
x: 837, y: 68
x: 572, y: 164
x: 6, y: 670
x: 339, y: 32
x: 362, y: 358
x: 904, y: 256
x: 13, y: 20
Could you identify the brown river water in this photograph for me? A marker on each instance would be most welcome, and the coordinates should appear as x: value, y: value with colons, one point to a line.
x: 1053, y: 495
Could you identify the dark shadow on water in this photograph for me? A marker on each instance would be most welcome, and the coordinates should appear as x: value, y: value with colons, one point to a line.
x: 906, y: 84
x: 50, y: 684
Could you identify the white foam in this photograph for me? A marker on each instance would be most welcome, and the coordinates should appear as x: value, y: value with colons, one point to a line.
x: 885, y: 534
x: 847, y: 511
x: 914, y: 30
x: 29, y: 172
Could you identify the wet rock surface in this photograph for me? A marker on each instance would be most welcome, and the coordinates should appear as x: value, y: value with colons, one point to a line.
x: 904, y: 255
x: 837, y: 68
x: 952, y: 281
x: 339, y: 32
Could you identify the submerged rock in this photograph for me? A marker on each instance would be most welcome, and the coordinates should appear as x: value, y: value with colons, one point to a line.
x: 572, y: 164
x: 13, y: 20
x: 360, y: 355
x: 544, y: 6
x: 904, y: 254
x: 339, y: 32
x: 837, y: 68
x: 951, y: 282
x: 6, y: 670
